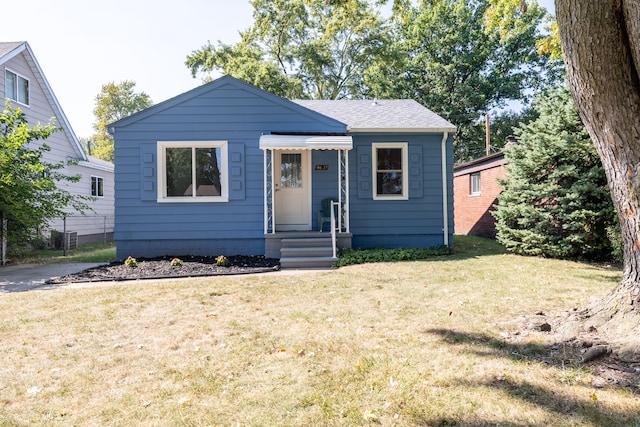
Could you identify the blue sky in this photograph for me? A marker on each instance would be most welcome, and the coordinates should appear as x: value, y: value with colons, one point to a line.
x: 80, y: 46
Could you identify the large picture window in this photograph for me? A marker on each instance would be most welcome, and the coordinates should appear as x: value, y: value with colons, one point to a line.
x: 390, y: 176
x: 192, y: 171
x: 16, y: 87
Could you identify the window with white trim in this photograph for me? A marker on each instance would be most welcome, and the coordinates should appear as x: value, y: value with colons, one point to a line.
x: 390, y: 170
x: 192, y: 171
x: 97, y: 186
x: 474, y: 184
x: 16, y: 87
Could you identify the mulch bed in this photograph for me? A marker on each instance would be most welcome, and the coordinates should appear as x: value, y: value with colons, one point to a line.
x: 161, y: 268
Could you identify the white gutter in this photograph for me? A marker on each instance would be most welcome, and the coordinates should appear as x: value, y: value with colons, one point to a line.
x: 445, y: 205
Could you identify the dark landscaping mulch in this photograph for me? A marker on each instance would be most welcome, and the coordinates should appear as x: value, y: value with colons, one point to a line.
x: 160, y: 268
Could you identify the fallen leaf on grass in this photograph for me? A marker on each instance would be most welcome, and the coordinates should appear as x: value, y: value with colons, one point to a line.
x: 371, y: 415
x: 34, y: 390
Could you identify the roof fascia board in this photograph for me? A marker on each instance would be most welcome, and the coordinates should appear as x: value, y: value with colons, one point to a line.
x: 401, y: 130
x: 96, y: 166
x: 56, y: 105
x: 15, y: 52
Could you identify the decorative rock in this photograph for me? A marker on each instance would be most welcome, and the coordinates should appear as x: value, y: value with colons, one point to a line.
x: 596, y: 352
x: 545, y: 327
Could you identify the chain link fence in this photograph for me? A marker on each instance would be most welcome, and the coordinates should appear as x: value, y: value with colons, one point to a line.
x: 70, y: 231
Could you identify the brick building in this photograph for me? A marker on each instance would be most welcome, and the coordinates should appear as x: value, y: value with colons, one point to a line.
x: 475, y: 190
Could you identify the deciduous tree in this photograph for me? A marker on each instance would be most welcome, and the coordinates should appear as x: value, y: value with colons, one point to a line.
x: 114, y: 102
x: 461, y: 67
x: 303, y: 49
x: 601, y: 46
x: 29, y: 193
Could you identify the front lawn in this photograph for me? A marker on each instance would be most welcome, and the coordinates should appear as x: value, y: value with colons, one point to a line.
x: 414, y: 343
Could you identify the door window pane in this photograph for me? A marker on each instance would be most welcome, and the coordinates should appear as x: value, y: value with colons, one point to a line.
x: 291, y: 170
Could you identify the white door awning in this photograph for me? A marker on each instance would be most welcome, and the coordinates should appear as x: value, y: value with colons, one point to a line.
x: 305, y: 142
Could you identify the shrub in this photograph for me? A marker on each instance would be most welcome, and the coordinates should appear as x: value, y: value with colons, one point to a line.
x: 131, y: 262
x: 363, y: 256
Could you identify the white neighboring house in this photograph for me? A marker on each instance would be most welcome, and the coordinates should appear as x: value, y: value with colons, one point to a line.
x: 24, y: 84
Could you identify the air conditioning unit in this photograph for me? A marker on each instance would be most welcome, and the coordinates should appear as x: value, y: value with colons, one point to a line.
x: 71, y: 239
x: 68, y: 240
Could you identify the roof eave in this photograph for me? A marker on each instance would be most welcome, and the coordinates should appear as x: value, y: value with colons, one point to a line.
x: 401, y: 130
x: 96, y: 166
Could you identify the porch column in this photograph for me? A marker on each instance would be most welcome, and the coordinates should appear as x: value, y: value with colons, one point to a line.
x: 269, y: 226
x: 343, y: 190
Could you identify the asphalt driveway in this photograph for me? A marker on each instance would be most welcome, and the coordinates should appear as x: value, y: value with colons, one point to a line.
x: 26, y: 277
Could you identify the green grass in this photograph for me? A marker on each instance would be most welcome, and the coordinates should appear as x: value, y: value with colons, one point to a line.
x: 95, y: 252
x: 410, y: 343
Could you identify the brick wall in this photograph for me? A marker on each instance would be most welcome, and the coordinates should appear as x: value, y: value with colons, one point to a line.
x: 472, y: 213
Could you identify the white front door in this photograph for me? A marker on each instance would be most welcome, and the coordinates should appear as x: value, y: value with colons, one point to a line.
x: 292, y: 176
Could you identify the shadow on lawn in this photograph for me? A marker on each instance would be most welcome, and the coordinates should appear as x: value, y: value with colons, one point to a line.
x: 583, y: 410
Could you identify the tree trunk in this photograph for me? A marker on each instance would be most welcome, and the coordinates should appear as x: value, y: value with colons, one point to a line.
x: 601, y: 45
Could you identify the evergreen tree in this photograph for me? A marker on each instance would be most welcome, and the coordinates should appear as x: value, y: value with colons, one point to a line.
x: 555, y: 201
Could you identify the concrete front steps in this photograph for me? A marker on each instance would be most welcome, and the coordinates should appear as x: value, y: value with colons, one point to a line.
x: 307, y: 252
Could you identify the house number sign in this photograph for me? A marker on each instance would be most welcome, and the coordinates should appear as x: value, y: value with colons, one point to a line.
x: 322, y: 167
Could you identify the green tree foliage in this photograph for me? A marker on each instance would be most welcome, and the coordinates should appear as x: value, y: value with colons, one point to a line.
x: 443, y: 53
x: 114, y: 102
x: 461, y: 68
x: 506, y: 17
x: 303, y: 49
x: 555, y: 202
x: 29, y: 193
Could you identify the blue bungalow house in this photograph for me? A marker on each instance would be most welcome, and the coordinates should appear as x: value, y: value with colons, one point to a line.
x: 227, y: 168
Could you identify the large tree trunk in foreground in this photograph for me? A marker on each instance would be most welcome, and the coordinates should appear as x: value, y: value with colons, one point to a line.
x: 601, y: 46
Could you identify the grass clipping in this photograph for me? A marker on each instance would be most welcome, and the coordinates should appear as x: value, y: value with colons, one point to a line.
x: 403, y: 343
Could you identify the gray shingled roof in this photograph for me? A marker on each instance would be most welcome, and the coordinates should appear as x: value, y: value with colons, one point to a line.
x: 6, y: 47
x: 380, y: 115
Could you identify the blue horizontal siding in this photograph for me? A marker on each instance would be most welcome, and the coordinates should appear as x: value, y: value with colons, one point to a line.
x: 398, y: 241
x: 239, y: 116
x: 416, y: 222
x: 145, y: 227
x: 154, y: 247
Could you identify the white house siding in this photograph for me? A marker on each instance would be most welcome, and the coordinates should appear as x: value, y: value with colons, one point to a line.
x: 97, y: 223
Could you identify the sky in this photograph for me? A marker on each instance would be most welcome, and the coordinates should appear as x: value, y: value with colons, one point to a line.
x: 81, y: 47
